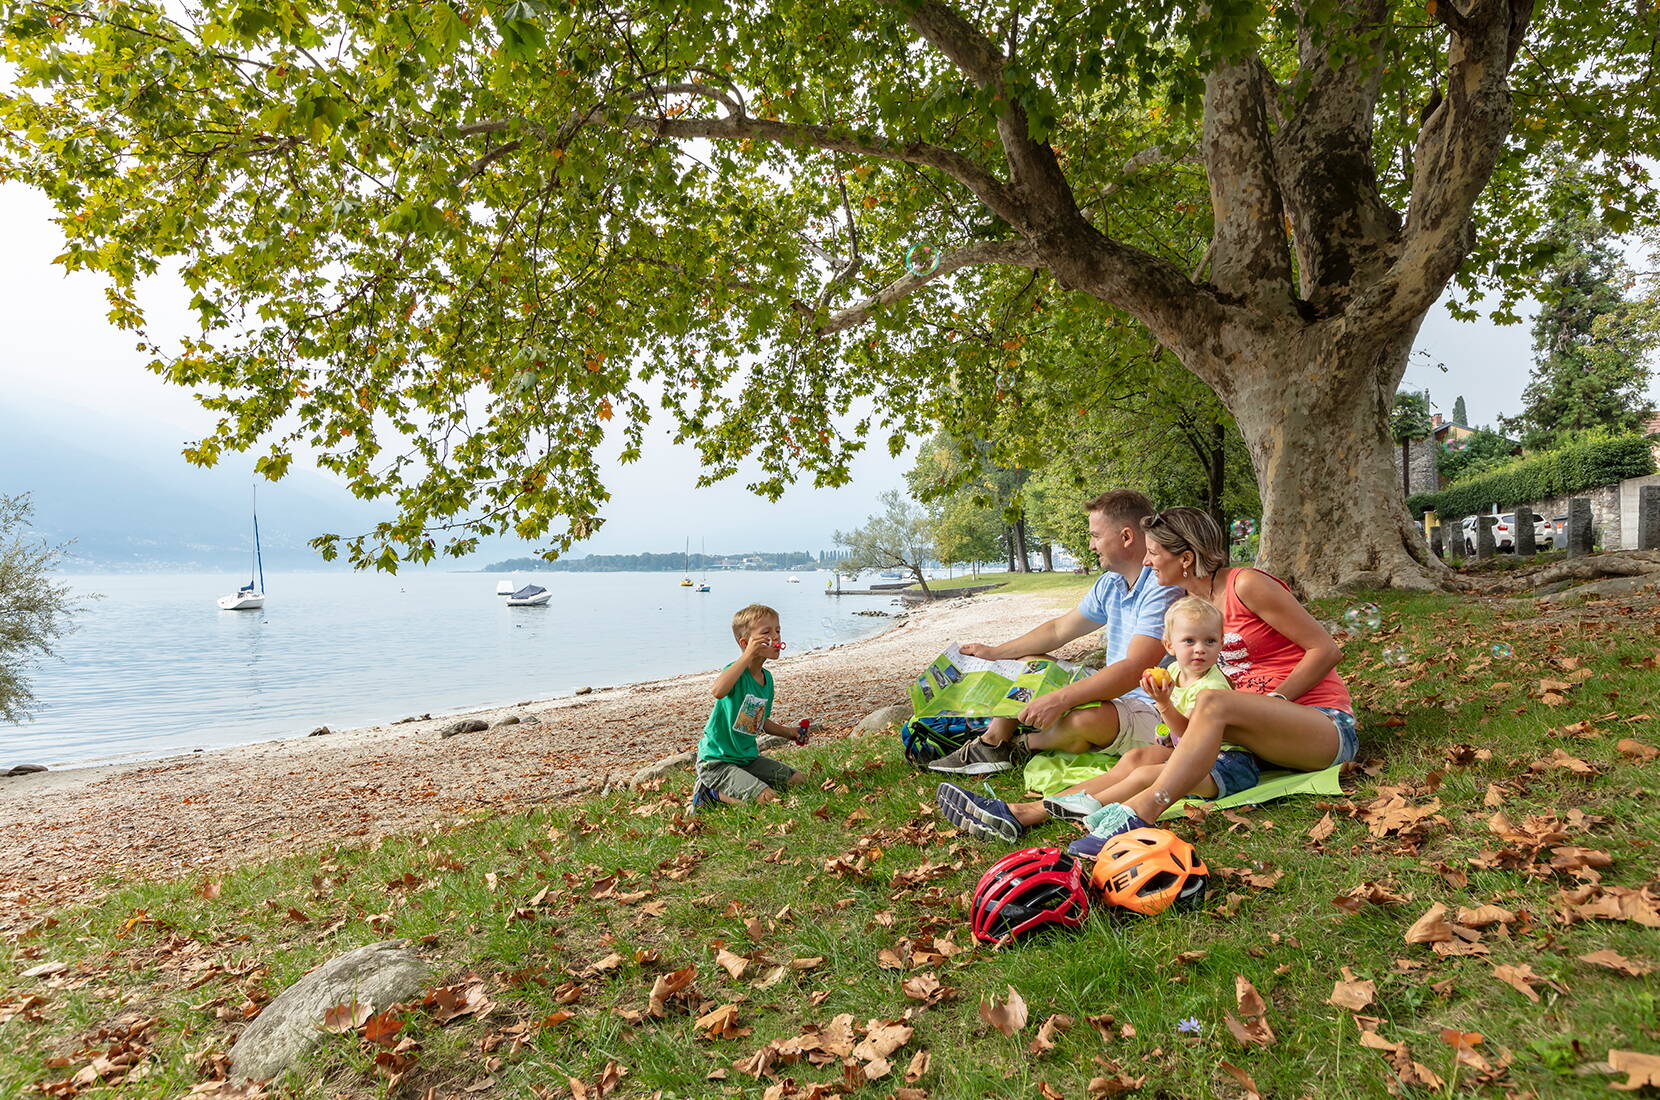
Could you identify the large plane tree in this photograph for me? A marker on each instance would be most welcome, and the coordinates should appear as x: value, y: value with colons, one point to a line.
x: 447, y: 245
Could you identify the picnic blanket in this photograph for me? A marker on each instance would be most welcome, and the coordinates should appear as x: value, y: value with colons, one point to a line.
x: 1052, y: 772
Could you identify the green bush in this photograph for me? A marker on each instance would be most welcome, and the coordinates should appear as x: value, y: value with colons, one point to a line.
x: 1538, y: 477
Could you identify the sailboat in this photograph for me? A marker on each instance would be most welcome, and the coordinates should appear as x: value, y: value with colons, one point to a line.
x: 686, y: 581
x: 703, y: 581
x: 251, y: 596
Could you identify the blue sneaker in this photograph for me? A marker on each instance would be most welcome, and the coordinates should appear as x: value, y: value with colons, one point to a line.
x: 704, y: 798
x: 977, y: 814
x: 1086, y: 847
x: 1112, y: 819
x: 1070, y: 807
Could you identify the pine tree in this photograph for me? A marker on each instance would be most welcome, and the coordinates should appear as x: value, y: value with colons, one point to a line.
x: 1459, y: 416
x: 1590, y: 342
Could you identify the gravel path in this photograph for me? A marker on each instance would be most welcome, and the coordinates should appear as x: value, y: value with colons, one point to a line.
x: 61, y: 830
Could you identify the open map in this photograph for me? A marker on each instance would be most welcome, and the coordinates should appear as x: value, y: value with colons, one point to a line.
x: 954, y: 684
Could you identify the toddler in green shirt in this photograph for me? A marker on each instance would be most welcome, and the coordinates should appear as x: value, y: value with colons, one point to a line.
x: 730, y: 768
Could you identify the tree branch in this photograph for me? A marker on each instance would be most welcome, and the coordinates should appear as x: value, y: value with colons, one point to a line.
x: 1250, y: 259
x: 1457, y: 148
x: 1016, y: 253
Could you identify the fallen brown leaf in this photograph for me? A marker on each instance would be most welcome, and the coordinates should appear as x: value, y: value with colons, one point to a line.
x: 1045, y: 1040
x: 1007, y: 1017
x: 1352, y: 993
x: 1615, y: 961
x: 1641, y: 1069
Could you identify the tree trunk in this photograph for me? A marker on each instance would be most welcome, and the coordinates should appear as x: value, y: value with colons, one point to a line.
x: 1022, y: 560
x: 1008, y: 540
x: 1218, y: 473
x: 1333, y: 515
x: 916, y: 571
x: 1047, y: 553
x: 1406, y: 467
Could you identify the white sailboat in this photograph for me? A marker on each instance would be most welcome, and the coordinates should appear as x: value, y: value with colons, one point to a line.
x: 251, y: 596
x: 686, y: 581
x: 703, y: 581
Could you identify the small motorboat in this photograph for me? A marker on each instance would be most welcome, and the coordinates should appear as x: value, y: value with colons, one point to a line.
x: 504, y: 588
x: 531, y: 595
x: 795, y: 580
x: 701, y: 588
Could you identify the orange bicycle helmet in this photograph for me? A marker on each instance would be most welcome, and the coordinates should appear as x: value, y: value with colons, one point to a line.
x: 1146, y: 871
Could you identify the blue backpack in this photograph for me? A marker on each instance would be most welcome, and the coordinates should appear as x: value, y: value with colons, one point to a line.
x: 928, y: 739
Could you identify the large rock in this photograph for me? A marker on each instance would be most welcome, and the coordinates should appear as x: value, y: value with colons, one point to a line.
x: 466, y: 725
x: 885, y: 717
x: 377, y: 975
x: 26, y: 769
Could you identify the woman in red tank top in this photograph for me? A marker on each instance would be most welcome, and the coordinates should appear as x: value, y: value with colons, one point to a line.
x: 1288, y: 707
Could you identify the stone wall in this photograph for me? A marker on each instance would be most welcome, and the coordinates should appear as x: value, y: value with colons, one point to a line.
x: 1605, y: 514
x: 1628, y: 508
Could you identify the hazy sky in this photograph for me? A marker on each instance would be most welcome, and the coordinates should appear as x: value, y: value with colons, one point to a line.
x: 56, y: 347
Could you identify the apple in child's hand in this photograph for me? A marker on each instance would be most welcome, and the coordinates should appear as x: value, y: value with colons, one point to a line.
x: 1161, y: 677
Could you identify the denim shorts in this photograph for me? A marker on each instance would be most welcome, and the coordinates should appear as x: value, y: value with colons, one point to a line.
x: 1237, y: 770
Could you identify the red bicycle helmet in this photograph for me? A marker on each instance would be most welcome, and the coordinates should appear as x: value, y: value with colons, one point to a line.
x: 1147, y: 871
x: 1026, y: 891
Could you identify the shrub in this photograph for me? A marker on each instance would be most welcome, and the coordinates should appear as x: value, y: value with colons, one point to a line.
x: 1538, y: 477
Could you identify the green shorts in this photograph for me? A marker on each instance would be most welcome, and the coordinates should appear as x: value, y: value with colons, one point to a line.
x: 745, y: 781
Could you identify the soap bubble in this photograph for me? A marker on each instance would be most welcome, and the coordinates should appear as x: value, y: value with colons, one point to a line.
x: 922, y: 259
x: 1395, y: 655
x: 1502, y: 650
x: 1366, y: 616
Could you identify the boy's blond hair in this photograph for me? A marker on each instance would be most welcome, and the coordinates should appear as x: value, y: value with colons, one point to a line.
x: 1192, y: 607
x: 744, y: 621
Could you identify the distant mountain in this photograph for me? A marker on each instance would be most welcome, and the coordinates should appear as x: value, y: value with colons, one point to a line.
x: 131, y: 502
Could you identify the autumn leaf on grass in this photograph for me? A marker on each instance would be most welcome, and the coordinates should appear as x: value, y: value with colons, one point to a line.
x: 383, y: 1027
x: 1432, y: 927
x: 926, y: 988
x: 1321, y: 830
x: 1642, y: 1069
x: 1483, y: 915
x: 1244, y: 1079
x: 721, y: 1023
x: 1251, y: 1027
x: 667, y: 986
x: 734, y: 965
x: 1053, y: 1026
x: 1464, y: 1045
x: 1352, y: 993
x: 882, y: 1038
x: 347, y: 1017
x: 1617, y: 962
x: 452, y: 1001
x: 1008, y: 1017
x: 1637, y: 751
x: 918, y: 1067
x: 1522, y: 979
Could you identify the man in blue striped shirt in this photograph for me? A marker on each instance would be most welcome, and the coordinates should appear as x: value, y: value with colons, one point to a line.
x: 1128, y: 603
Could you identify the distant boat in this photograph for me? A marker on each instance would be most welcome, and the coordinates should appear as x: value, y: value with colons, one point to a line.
x: 686, y: 581
x: 531, y: 595
x: 504, y: 588
x: 703, y: 581
x: 794, y: 580
x: 251, y: 596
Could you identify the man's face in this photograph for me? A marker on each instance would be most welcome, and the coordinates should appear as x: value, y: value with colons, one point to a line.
x: 1112, y: 542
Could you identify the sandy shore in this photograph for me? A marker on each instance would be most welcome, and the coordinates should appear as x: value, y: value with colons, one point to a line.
x: 59, y: 830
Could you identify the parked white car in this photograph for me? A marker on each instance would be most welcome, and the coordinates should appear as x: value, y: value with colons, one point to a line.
x: 1504, y: 532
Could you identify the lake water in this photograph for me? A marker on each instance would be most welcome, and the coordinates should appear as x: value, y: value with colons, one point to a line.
x: 155, y: 668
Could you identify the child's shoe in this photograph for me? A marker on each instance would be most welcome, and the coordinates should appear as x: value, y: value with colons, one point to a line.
x: 978, y: 814
x: 704, y: 798
x: 1070, y: 807
x: 1112, y: 819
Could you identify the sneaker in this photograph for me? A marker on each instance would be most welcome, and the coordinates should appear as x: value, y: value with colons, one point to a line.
x: 704, y: 797
x: 1086, y: 847
x: 977, y: 814
x: 1112, y: 819
x: 979, y: 758
x: 1070, y: 807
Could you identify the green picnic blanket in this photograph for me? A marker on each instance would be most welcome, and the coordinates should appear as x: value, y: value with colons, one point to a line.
x: 1052, y: 772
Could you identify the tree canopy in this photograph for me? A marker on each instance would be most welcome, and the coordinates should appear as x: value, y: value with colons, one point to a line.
x: 897, y: 537
x: 449, y: 246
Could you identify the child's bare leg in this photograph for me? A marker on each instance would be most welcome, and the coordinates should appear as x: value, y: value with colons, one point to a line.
x: 1031, y: 813
x: 1145, y: 778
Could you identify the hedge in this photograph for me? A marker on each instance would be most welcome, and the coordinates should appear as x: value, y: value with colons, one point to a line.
x: 1539, y: 477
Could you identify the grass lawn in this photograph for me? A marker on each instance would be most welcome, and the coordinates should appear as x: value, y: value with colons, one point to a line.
x: 1058, y: 583
x: 1510, y: 801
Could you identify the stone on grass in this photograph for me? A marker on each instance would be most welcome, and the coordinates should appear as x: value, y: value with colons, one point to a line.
x: 885, y: 717
x: 466, y: 725
x: 377, y: 975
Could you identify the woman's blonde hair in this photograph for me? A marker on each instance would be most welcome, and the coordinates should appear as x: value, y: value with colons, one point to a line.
x: 1189, y: 530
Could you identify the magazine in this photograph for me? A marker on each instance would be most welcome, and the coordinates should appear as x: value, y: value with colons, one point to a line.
x: 956, y: 684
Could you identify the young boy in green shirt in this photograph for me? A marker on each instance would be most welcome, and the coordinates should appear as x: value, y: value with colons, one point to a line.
x: 729, y: 766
